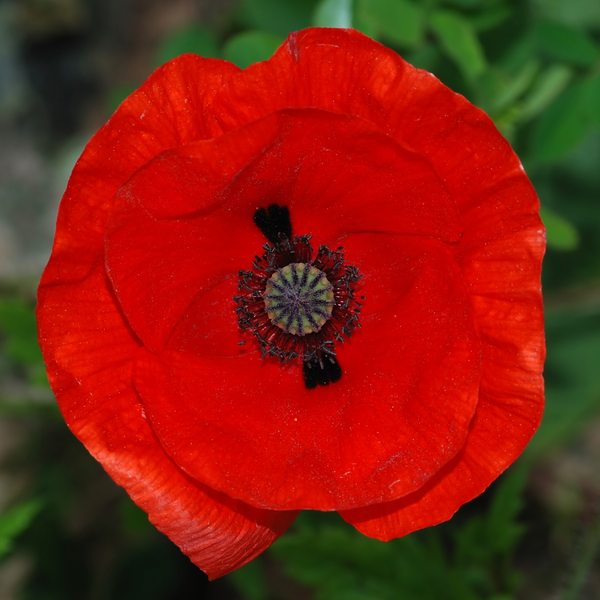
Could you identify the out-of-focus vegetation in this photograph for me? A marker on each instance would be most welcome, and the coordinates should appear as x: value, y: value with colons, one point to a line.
x: 66, y: 532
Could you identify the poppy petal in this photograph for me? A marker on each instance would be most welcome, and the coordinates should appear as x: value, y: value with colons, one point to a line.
x: 500, y: 252
x: 90, y: 367
x: 80, y: 325
x: 185, y: 220
x: 501, y: 429
x: 503, y: 280
x: 441, y: 388
x: 215, y: 415
x: 171, y: 108
x: 344, y: 71
x: 340, y: 70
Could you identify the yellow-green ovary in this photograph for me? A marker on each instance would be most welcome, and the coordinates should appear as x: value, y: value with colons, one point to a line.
x: 299, y: 299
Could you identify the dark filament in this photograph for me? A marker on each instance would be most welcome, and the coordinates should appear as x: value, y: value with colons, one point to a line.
x: 324, y: 373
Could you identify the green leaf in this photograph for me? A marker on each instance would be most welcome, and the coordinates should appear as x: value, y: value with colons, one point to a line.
x: 14, y: 522
x: 561, y: 234
x: 486, y: 542
x: 276, y: 16
x: 502, y: 529
x: 566, y: 44
x: 465, y: 3
x: 333, y: 13
x: 250, y: 47
x: 515, y: 86
x: 578, y: 13
x: 341, y: 564
x: 250, y: 581
x: 490, y: 18
x: 117, y: 95
x: 18, y: 326
x: 459, y: 41
x: 426, y: 57
x: 572, y: 377
x: 544, y: 90
x: 399, y: 21
x: 363, y: 21
x: 519, y: 52
x: 563, y: 126
x: 193, y: 40
x: 593, y: 99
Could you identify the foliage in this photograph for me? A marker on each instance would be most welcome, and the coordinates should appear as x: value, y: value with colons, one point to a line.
x: 465, y: 562
x: 249, y: 47
x: 193, y: 39
x: 15, y: 521
x: 17, y: 324
x: 19, y: 345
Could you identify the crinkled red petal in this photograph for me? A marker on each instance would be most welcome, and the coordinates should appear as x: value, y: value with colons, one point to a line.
x: 173, y: 107
x: 490, y: 278
x: 401, y: 410
x: 505, y: 417
x: 500, y: 252
x: 184, y: 221
x: 88, y: 348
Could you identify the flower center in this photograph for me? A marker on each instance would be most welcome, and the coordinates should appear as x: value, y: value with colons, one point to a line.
x: 299, y: 299
x: 298, y: 303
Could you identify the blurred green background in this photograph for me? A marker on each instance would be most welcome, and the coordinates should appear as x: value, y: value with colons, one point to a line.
x: 68, y: 533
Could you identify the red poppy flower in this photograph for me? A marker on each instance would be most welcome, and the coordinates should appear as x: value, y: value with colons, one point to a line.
x: 312, y: 284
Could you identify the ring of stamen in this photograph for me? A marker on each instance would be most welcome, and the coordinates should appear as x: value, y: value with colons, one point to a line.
x: 299, y: 299
x: 284, y: 264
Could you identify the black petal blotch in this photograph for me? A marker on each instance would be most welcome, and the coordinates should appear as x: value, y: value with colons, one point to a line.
x: 274, y: 222
x: 315, y: 373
